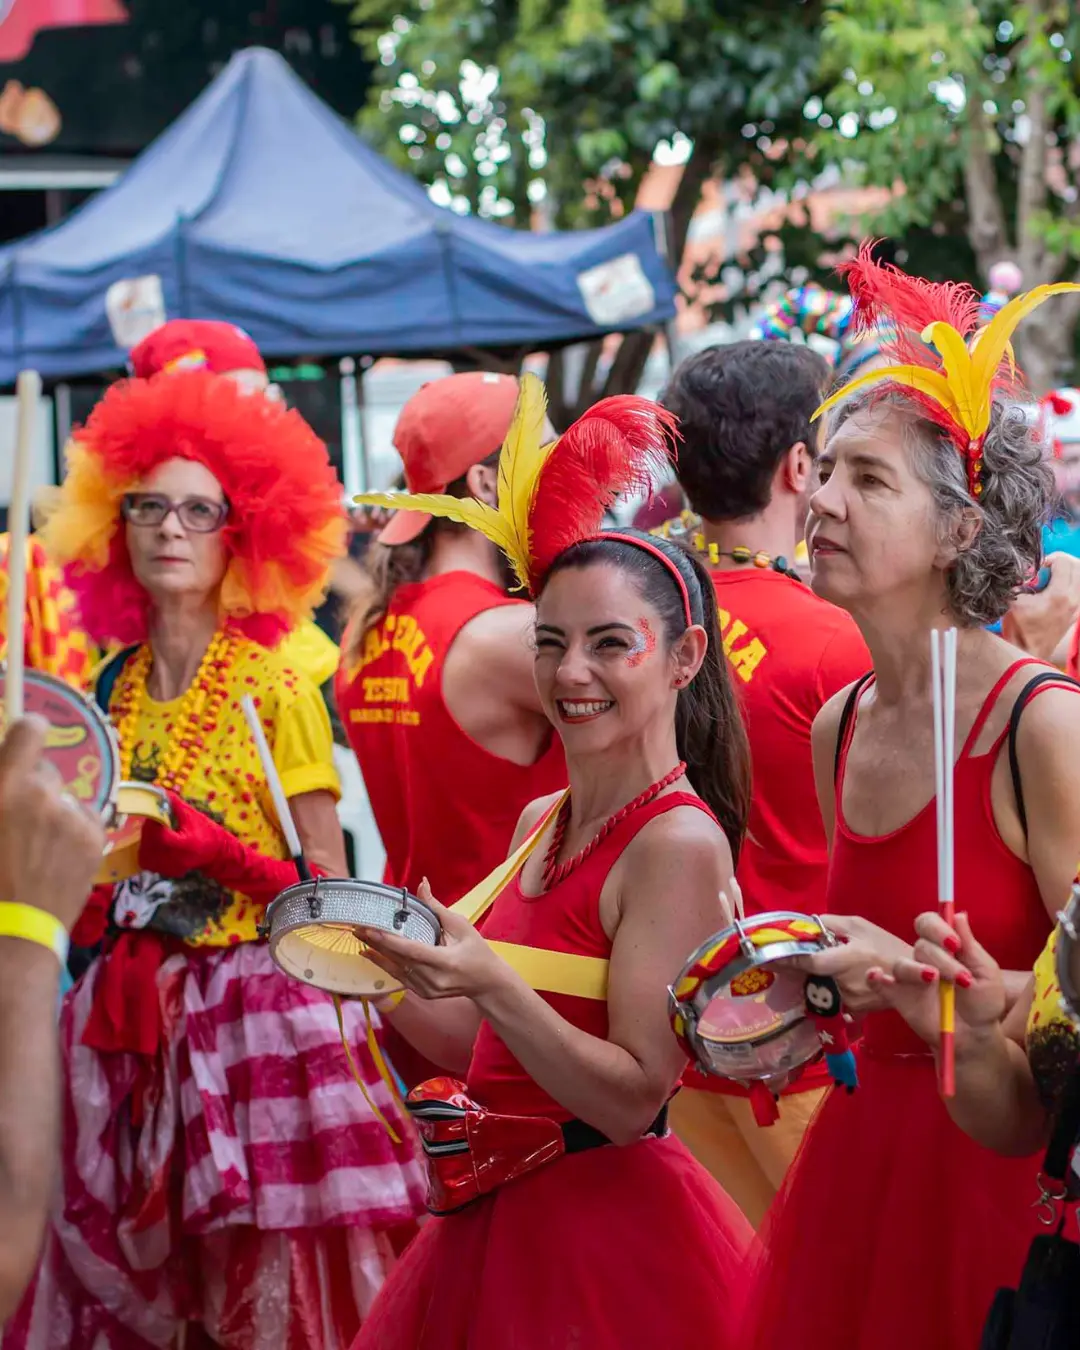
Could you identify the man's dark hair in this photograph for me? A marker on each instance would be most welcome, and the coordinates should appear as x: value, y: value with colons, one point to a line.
x: 741, y: 408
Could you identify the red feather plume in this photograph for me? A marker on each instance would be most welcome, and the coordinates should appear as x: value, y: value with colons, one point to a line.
x: 620, y: 446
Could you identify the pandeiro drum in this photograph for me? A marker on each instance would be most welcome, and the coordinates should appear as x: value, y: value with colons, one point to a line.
x: 81, y: 744
x: 312, y: 926
x: 739, y: 1016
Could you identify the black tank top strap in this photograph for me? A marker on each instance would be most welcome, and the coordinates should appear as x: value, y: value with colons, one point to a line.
x: 846, y: 728
x: 1046, y: 679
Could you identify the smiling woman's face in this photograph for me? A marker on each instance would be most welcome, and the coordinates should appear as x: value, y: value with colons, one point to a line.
x: 168, y: 559
x: 603, y: 669
x: 872, y: 528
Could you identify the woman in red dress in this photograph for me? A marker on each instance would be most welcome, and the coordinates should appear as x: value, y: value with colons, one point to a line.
x: 619, y: 1238
x: 893, y: 1229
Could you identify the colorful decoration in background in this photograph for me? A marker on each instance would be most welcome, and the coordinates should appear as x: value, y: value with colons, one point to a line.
x: 22, y: 20
x: 810, y: 309
x: 814, y: 311
x: 1006, y: 280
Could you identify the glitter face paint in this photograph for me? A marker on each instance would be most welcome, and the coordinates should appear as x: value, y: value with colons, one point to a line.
x: 643, y: 645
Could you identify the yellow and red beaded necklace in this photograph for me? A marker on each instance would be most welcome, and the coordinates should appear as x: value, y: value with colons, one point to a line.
x: 198, y: 713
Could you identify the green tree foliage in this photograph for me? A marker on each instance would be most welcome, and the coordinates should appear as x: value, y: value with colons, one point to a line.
x: 558, y: 106
x: 972, y: 108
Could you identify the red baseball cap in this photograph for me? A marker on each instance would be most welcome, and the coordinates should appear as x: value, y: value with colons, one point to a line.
x: 195, y: 344
x: 444, y: 429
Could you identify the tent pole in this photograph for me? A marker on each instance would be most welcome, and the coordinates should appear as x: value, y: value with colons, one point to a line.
x: 353, y: 449
x: 62, y: 405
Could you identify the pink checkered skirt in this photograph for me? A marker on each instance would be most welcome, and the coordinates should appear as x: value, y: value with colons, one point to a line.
x: 259, y: 1198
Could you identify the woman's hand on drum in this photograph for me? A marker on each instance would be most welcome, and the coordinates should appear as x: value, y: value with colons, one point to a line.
x: 910, y: 985
x: 863, y: 947
x: 461, y: 966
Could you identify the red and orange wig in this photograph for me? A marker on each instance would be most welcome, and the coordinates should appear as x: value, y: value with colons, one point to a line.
x: 285, y: 526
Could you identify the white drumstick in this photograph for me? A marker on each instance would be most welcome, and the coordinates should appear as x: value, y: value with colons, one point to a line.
x: 27, y: 393
x: 273, y: 781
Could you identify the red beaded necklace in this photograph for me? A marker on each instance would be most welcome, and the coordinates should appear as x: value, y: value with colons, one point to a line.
x: 555, y: 871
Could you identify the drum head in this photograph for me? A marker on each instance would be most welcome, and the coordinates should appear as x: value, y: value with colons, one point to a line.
x: 331, y: 957
x: 755, y: 1026
x: 80, y: 742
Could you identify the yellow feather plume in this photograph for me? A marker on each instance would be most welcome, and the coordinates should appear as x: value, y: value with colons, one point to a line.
x: 964, y: 386
x: 520, y: 461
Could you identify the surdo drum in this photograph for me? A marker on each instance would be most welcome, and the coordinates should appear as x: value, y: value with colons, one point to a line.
x: 311, y: 927
x: 736, y: 1014
x: 81, y: 745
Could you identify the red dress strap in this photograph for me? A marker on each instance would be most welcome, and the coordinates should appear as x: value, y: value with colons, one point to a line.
x: 990, y: 702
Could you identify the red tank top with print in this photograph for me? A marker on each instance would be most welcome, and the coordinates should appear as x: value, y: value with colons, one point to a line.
x: 564, y: 919
x: 890, y: 879
x: 446, y: 808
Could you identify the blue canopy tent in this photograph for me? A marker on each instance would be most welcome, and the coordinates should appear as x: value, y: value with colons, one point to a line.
x: 261, y: 206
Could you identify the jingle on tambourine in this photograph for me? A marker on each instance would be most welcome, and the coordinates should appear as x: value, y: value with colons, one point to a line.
x: 739, y: 1016
x: 311, y: 927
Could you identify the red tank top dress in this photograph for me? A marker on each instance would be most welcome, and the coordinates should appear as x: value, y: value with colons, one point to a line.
x: 611, y: 1249
x: 894, y: 1229
x: 446, y: 808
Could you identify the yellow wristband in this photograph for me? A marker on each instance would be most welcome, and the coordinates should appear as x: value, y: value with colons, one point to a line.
x: 35, y: 925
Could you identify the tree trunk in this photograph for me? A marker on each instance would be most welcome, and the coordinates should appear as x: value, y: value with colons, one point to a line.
x: 1044, y: 348
x: 628, y: 365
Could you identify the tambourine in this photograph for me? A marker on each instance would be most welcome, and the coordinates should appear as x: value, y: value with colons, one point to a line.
x: 311, y: 927
x: 739, y: 1017
x: 81, y: 744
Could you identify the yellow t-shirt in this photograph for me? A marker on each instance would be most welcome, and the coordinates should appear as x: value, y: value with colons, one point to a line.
x: 307, y: 648
x: 228, y: 784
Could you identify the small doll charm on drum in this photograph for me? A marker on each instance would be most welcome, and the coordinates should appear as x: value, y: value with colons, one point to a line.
x: 825, y: 1009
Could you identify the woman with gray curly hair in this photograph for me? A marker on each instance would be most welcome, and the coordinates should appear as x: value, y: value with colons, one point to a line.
x: 928, y: 516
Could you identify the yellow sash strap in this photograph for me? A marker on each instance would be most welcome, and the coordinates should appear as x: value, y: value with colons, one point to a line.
x: 551, y: 972
x: 380, y: 1064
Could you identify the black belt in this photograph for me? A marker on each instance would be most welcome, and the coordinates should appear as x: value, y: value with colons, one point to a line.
x: 578, y: 1137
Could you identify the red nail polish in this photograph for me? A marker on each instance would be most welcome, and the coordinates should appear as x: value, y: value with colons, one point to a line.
x: 964, y: 980
x: 928, y: 976
x: 952, y: 945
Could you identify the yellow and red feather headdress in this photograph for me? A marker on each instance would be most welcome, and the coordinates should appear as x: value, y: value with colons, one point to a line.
x: 938, y: 355
x: 552, y: 496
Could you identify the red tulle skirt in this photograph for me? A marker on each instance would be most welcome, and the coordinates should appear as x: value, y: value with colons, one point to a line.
x: 611, y: 1249
x: 893, y: 1229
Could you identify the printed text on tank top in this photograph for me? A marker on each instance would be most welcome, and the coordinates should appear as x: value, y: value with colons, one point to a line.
x: 981, y: 749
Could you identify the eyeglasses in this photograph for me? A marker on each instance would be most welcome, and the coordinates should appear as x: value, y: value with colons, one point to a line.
x: 200, y: 515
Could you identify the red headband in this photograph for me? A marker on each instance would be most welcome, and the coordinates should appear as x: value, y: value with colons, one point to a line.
x: 657, y: 552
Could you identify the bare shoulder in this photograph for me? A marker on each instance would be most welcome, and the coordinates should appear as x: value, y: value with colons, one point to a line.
x: 532, y: 815
x: 1050, y: 726
x: 495, y: 627
x: 684, y: 842
x: 826, y: 725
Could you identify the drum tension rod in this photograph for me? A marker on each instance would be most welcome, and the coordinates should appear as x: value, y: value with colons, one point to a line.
x: 315, y: 899
x: 401, y: 915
